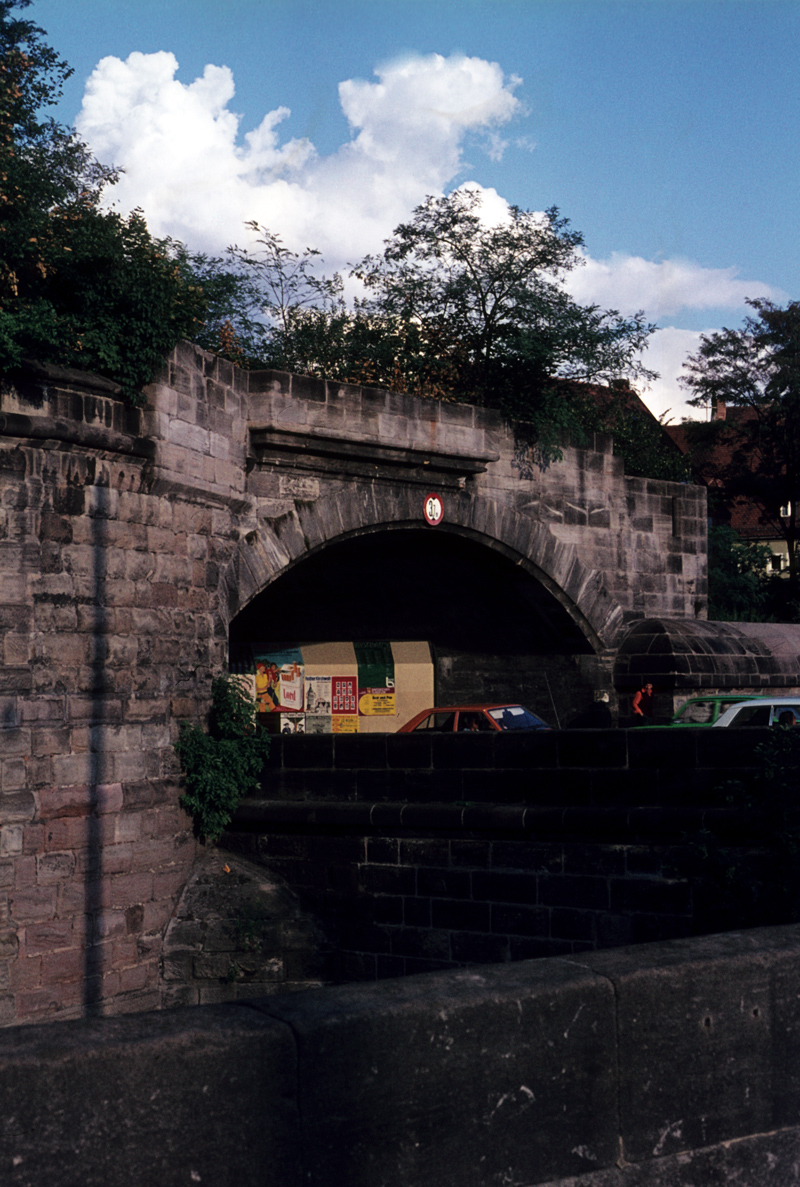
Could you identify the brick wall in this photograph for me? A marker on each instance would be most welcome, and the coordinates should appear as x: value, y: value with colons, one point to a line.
x: 434, y: 852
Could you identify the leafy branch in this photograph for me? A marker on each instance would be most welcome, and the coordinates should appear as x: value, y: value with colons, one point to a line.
x: 223, y: 765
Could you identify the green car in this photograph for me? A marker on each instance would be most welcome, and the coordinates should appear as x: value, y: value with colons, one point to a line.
x: 708, y: 709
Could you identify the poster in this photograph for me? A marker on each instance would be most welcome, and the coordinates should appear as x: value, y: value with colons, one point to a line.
x: 344, y: 695
x: 376, y: 692
x: 293, y: 723
x: 319, y: 725
x: 318, y: 696
x: 291, y: 686
x: 344, y: 705
x: 346, y: 724
x: 279, y: 679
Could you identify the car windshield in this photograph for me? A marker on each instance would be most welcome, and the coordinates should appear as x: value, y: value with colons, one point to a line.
x: 514, y: 717
x: 696, y: 712
x: 702, y: 712
x: 437, y: 721
x: 751, y: 715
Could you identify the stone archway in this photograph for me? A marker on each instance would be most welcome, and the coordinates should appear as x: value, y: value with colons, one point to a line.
x: 562, y: 687
x: 267, y: 553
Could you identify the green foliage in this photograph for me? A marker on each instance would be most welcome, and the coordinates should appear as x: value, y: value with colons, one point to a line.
x: 223, y: 765
x: 494, y: 323
x: 754, y: 453
x: 639, y: 439
x: 738, y: 588
x: 453, y: 309
x: 79, y: 286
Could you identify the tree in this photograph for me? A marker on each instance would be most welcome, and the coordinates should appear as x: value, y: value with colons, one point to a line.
x: 738, y: 584
x: 454, y: 308
x: 79, y: 286
x: 495, y: 323
x: 752, y: 452
x: 493, y: 291
x: 639, y: 437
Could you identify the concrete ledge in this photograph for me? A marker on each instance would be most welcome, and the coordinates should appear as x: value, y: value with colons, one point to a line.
x: 669, y: 1064
x: 181, y: 1097
x: 457, y: 1078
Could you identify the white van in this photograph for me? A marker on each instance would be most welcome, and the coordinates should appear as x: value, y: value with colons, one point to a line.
x: 764, y: 711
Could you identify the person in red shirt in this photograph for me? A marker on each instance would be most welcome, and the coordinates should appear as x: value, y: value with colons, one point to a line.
x: 643, y: 705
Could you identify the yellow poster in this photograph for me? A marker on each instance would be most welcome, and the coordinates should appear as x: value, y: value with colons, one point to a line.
x: 376, y: 702
x: 345, y: 725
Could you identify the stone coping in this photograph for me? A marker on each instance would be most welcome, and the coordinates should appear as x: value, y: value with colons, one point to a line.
x: 664, y: 1064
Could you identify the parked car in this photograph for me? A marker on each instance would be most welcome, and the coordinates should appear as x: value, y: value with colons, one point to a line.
x: 706, y: 710
x: 762, y: 711
x: 474, y: 719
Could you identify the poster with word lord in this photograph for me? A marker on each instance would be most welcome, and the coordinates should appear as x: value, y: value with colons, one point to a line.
x: 279, y: 679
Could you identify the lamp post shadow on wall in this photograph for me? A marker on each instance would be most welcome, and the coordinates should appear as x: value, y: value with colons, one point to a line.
x: 93, y: 879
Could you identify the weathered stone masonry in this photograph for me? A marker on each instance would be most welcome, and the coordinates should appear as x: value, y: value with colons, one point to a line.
x: 130, y: 539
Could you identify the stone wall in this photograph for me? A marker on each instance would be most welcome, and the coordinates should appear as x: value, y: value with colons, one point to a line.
x: 433, y: 852
x: 681, y: 657
x: 129, y: 539
x: 662, y: 1066
x: 608, y: 547
x: 110, y: 631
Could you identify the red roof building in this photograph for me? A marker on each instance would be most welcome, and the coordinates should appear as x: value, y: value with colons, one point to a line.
x: 710, y: 463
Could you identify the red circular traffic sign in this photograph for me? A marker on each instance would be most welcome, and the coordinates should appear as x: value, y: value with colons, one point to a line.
x: 433, y: 509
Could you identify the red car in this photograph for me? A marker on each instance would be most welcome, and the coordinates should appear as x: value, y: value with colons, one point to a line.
x: 465, y: 719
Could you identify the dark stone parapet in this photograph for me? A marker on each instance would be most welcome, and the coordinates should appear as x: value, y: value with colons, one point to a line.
x: 656, y: 766
x: 655, y: 1066
x: 74, y: 433
x: 485, y: 848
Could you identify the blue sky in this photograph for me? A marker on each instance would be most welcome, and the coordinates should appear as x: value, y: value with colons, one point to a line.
x: 665, y: 130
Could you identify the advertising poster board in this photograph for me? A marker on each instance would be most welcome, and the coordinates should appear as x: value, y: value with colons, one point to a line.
x: 376, y: 689
x: 377, y: 685
x: 344, y: 704
x: 279, y: 679
x: 318, y: 704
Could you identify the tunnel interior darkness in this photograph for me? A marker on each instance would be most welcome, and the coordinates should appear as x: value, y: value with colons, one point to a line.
x: 428, y: 584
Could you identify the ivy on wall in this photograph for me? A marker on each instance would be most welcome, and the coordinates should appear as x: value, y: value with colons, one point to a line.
x: 223, y: 765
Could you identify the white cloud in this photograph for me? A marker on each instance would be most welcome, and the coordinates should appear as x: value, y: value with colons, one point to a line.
x: 668, y: 350
x: 662, y: 288
x: 186, y: 166
x: 199, y: 179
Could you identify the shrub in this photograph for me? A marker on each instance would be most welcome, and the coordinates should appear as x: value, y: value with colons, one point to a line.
x: 223, y: 765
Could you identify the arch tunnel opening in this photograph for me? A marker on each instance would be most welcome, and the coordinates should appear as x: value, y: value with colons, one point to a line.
x: 495, y: 632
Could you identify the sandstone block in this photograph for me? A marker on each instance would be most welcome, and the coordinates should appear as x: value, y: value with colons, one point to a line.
x: 54, y: 868
x: 37, y: 904
x: 48, y: 936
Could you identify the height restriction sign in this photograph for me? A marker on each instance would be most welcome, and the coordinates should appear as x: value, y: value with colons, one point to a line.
x: 434, y: 510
